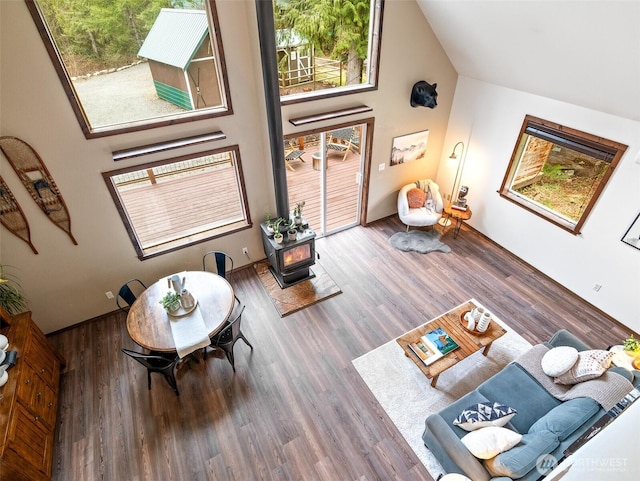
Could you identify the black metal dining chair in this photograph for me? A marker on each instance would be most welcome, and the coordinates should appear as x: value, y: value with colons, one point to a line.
x: 228, y: 336
x: 223, y: 263
x: 128, y: 293
x: 164, y: 365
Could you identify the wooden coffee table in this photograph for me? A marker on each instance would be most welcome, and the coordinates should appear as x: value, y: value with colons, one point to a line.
x: 468, y: 341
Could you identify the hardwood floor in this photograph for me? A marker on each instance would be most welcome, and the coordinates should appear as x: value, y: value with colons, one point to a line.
x: 296, y: 409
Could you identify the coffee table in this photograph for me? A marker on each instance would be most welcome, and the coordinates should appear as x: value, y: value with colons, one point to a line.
x: 469, y: 341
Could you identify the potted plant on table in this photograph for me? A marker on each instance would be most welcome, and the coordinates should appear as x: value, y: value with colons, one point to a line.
x: 171, y: 301
x: 632, y: 346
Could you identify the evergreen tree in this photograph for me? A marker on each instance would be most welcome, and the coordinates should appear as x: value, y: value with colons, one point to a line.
x: 337, y: 28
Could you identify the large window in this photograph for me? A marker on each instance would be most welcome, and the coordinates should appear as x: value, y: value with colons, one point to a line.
x: 558, y: 173
x: 326, y: 47
x: 182, y: 201
x: 137, y: 64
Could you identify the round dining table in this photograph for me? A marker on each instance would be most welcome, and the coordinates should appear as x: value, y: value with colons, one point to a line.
x: 148, y: 323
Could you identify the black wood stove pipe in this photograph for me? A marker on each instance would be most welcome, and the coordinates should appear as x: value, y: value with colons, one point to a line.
x: 267, y: 36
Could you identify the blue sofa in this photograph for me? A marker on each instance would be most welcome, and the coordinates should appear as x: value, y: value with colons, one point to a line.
x: 538, y: 413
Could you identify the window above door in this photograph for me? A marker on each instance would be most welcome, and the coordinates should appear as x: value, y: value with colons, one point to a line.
x: 326, y: 48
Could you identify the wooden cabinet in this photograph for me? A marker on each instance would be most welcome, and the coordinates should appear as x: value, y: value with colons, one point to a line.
x: 28, y: 402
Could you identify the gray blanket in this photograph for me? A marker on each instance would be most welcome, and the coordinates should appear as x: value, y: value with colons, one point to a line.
x: 606, y: 390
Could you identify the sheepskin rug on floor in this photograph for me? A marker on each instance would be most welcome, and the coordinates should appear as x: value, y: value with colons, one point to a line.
x: 419, y: 241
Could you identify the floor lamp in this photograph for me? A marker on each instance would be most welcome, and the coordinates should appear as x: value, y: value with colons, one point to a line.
x: 445, y: 222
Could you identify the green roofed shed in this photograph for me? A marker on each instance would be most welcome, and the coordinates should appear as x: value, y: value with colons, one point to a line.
x: 181, y: 59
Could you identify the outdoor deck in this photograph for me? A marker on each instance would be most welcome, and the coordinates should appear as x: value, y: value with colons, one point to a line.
x: 342, y: 189
x: 159, y: 211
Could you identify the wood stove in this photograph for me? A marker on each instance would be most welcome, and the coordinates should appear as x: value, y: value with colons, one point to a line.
x: 290, y: 260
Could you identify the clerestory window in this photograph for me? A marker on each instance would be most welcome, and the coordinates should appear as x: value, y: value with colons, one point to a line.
x: 178, y: 202
x: 135, y: 65
x: 558, y: 173
x: 326, y: 48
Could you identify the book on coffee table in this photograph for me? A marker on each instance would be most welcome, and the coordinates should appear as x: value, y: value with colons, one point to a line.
x: 441, y: 340
x: 425, y: 350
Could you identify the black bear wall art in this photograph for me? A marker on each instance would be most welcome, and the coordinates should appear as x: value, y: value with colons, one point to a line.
x: 424, y: 94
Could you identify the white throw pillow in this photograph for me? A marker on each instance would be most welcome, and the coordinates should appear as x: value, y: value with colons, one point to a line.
x: 590, y: 365
x: 488, y: 442
x: 559, y: 360
x: 453, y: 477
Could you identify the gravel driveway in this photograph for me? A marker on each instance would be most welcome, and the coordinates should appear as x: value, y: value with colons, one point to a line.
x: 122, y: 96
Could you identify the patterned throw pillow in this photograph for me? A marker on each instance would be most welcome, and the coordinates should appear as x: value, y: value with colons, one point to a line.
x: 416, y: 198
x: 484, y: 414
x: 590, y: 365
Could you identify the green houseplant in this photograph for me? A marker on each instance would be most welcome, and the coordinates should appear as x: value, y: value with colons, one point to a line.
x: 11, y: 298
x: 268, y: 223
x: 171, y: 301
x: 297, y: 212
x: 277, y: 235
x: 632, y: 346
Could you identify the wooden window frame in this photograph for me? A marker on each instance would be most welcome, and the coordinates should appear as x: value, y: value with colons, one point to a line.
x: 375, y: 47
x: 565, y: 136
x: 136, y: 125
x: 194, y: 238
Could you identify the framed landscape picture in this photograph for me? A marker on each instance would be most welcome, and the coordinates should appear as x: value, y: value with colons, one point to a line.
x: 409, y: 147
x: 632, y: 236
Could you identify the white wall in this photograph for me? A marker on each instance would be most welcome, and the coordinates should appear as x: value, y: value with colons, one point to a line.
x: 65, y: 284
x: 488, y: 119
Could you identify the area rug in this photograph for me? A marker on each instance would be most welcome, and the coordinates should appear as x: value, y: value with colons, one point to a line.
x: 406, y: 395
x: 300, y: 295
x: 418, y: 241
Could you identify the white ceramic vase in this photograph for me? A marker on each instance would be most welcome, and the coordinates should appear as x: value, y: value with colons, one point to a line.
x: 186, y: 299
x: 483, y: 324
x: 477, y: 314
x: 471, y: 324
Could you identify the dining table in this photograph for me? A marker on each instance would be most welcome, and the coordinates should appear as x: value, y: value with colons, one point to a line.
x: 152, y: 327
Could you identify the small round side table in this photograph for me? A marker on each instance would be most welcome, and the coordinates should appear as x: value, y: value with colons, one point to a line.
x: 458, y: 215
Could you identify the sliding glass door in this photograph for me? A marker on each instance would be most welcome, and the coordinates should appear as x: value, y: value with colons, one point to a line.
x: 325, y: 171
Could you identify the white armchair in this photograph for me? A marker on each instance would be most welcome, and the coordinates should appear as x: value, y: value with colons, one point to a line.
x: 420, y: 213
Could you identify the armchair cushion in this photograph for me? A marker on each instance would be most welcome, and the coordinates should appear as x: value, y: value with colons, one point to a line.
x: 416, y: 198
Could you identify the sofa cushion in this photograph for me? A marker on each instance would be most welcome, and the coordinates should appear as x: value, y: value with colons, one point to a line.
x: 484, y: 414
x: 559, y: 360
x: 416, y: 198
x: 562, y: 337
x: 566, y: 418
x: 590, y: 365
x: 519, y: 460
x: 488, y: 442
x: 531, y: 407
x: 452, y: 411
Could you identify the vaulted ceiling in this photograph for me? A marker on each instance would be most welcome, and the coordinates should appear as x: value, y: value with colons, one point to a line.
x: 585, y: 52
